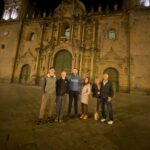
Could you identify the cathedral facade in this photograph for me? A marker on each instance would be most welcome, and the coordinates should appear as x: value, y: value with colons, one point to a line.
x: 115, y: 42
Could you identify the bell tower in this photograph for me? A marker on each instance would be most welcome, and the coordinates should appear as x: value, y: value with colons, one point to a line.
x: 132, y: 4
x: 14, y: 9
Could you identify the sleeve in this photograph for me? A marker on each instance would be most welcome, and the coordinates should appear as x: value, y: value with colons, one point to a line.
x: 93, y: 88
x: 56, y: 86
x: 43, y: 84
x: 69, y: 78
x: 80, y: 83
x: 67, y: 87
x: 111, y: 93
x: 89, y: 89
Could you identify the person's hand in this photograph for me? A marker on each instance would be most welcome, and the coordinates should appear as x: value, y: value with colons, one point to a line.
x: 109, y: 99
x: 98, y: 93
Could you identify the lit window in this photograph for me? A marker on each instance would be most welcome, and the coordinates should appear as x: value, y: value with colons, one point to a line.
x: 111, y: 34
x: 145, y: 3
x: 67, y: 32
x: 32, y: 36
x: 6, y: 15
x: 14, y: 13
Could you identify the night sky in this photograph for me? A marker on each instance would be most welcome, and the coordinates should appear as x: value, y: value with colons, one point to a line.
x: 41, y: 6
x: 52, y: 4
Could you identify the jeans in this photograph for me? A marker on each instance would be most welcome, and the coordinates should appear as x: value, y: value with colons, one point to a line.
x: 103, y: 102
x: 60, y: 101
x: 73, y: 95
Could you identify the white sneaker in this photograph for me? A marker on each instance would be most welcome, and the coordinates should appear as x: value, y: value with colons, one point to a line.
x: 103, y: 120
x: 110, y: 122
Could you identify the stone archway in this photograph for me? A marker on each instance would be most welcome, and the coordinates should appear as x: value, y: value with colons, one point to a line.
x: 114, y: 77
x: 63, y: 61
x: 25, y: 74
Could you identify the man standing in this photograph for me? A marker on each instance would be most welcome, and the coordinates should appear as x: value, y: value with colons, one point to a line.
x: 106, y: 94
x: 49, y: 92
x: 74, y: 90
x: 61, y: 90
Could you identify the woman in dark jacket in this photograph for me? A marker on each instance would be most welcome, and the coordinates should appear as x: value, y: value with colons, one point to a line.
x: 96, y: 94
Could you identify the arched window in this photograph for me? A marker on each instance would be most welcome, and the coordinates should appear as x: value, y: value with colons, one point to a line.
x: 67, y: 32
x: 112, y: 34
x: 114, y: 77
x: 14, y: 14
x: 6, y: 14
x: 145, y: 3
x: 25, y: 74
x: 32, y: 36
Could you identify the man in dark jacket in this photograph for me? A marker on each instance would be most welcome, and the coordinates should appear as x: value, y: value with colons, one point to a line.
x: 61, y: 90
x: 106, y: 94
x: 74, y: 90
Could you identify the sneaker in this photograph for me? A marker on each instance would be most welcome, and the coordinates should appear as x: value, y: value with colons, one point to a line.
x: 56, y: 120
x: 60, y: 121
x: 39, y: 121
x: 85, y: 117
x: 81, y: 117
x: 96, y: 116
x: 103, y: 120
x: 110, y: 122
x: 50, y: 120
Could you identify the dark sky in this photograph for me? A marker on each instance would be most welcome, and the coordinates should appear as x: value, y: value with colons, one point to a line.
x: 49, y: 5
x: 1, y: 7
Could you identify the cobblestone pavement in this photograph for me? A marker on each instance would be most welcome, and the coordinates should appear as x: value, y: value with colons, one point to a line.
x: 19, y: 108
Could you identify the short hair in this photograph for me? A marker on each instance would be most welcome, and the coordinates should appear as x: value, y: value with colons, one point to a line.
x: 51, y: 68
x: 76, y: 68
x: 63, y: 72
x: 105, y: 73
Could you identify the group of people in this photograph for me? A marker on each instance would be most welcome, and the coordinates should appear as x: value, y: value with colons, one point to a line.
x: 55, y: 91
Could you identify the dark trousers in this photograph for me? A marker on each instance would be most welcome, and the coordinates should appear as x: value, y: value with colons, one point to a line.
x: 60, y: 101
x: 73, y: 96
x: 84, y: 108
x: 103, y: 102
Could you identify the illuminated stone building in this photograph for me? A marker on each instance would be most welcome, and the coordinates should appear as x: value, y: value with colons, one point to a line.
x: 116, y: 41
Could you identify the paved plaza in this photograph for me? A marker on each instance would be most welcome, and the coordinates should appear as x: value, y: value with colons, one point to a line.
x: 19, y: 108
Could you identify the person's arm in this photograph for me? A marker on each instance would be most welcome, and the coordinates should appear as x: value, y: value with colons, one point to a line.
x: 93, y: 88
x: 111, y: 92
x: 43, y: 84
x: 80, y: 84
x: 67, y: 87
x: 89, y: 89
x: 57, y: 86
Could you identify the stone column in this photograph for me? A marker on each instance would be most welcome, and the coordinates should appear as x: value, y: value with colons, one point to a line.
x: 93, y: 36
x: 83, y: 34
x: 92, y: 64
x: 71, y: 32
x: 80, y: 65
x: 38, y: 51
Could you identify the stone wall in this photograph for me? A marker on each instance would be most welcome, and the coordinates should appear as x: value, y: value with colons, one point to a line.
x: 140, y: 49
x: 9, y: 37
x: 117, y: 42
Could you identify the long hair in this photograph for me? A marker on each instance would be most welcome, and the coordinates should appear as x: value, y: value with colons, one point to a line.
x: 87, y: 82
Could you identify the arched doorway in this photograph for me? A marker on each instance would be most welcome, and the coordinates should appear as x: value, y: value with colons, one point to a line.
x: 25, y: 74
x: 63, y: 61
x: 114, y: 77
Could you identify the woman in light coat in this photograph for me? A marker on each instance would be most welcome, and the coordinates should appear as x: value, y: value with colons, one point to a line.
x: 85, y: 91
